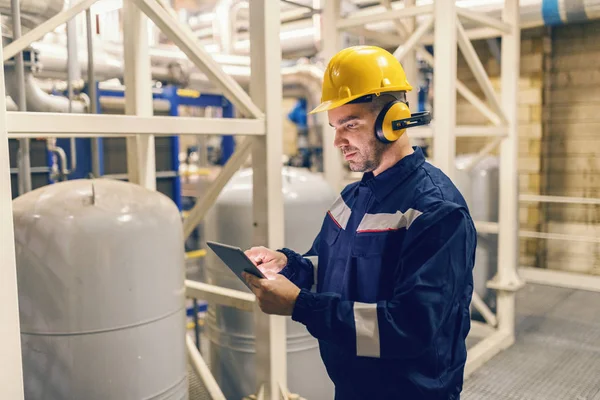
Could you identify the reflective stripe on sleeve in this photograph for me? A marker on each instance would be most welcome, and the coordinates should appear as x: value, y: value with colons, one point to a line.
x: 367, y: 330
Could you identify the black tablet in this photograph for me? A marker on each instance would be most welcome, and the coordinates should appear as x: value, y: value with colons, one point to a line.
x: 235, y: 259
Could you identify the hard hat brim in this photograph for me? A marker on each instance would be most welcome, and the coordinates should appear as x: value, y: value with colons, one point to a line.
x: 331, y: 104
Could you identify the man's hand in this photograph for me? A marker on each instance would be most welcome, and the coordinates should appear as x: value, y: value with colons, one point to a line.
x: 276, y: 295
x: 268, y: 261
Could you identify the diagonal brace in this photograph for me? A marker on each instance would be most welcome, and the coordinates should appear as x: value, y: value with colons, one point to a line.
x: 466, y: 47
x: 461, y: 88
x: 198, y: 212
x: 38, y: 32
x: 414, y: 39
x: 182, y: 36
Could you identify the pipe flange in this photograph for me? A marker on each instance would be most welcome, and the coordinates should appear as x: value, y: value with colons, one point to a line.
x: 178, y: 73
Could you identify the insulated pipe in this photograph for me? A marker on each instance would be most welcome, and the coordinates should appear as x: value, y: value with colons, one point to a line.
x: 10, y: 104
x: 38, y: 100
x: 33, y: 13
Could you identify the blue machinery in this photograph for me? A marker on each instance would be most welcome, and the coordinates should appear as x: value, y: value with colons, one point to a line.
x: 169, y: 173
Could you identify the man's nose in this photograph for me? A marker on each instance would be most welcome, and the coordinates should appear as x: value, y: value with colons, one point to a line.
x: 339, y: 139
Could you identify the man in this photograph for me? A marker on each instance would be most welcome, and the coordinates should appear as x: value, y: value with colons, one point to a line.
x: 395, y: 251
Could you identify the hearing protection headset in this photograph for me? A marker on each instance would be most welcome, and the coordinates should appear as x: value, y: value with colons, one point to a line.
x: 394, y: 119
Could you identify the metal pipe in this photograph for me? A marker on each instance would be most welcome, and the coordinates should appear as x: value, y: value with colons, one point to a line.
x: 38, y: 99
x: 10, y: 104
x: 95, y: 142
x: 24, y: 161
x: 73, y: 73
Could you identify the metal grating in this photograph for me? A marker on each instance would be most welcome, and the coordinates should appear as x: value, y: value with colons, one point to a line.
x: 197, y: 391
x: 556, y: 355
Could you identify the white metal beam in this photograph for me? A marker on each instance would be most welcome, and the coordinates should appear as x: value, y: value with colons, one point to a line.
x: 33, y: 124
x: 141, y: 160
x: 463, y: 90
x: 480, y: 329
x: 333, y: 168
x: 390, y: 40
x: 534, y: 198
x: 472, y: 98
x: 483, y: 19
x: 266, y: 91
x: 559, y: 236
x: 183, y: 37
x: 220, y: 295
x: 207, y: 378
x: 478, y: 69
x: 485, y: 350
x: 39, y: 31
x: 196, y: 214
x: 350, y: 22
x: 487, y: 149
x: 444, y: 83
x: 507, y: 279
x: 11, y: 373
x: 413, y: 40
x: 486, y: 227
x: 564, y: 279
x: 485, y: 311
x: 480, y: 131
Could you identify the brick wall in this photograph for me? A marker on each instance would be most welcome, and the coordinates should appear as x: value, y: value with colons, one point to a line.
x: 530, y: 125
x: 571, y: 146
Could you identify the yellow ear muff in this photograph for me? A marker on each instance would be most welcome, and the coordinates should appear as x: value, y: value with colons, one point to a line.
x: 393, y: 111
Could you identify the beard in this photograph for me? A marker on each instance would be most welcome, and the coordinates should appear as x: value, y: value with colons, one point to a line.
x: 368, y: 158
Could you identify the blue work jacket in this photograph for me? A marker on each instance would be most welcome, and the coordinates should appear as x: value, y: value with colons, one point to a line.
x: 393, y: 266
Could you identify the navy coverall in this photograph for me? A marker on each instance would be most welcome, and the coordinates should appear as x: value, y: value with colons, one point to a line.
x: 393, y: 285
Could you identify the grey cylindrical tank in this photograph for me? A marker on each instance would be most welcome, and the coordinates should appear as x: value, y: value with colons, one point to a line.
x: 101, y: 292
x: 307, y: 197
x: 480, y: 188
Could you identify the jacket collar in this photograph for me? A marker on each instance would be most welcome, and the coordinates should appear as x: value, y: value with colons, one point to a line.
x: 383, y: 184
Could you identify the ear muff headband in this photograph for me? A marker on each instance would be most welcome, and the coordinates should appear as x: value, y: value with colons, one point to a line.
x: 395, y: 118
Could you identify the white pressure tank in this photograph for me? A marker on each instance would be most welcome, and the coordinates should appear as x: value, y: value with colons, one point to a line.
x: 101, y: 292
x: 307, y: 197
x: 480, y: 187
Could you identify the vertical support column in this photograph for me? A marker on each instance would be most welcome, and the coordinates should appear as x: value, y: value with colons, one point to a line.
x: 266, y: 92
x: 333, y: 168
x: 227, y: 141
x: 444, y: 86
x: 410, y: 63
x: 141, y: 165
x: 11, y: 373
x: 507, y: 280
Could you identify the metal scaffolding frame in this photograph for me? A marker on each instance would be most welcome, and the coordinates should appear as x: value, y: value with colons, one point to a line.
x: 261, y: 125
x: 448, y: 37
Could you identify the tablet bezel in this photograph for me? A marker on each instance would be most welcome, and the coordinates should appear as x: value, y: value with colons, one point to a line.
x: 241, y: 260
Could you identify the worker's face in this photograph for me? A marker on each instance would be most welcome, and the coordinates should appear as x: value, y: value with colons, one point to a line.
x: 354, y: 126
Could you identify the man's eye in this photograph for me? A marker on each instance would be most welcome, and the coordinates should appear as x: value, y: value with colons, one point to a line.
x: 351, y: 126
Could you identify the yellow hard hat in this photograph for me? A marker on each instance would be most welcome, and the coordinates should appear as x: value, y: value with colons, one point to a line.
x: 358, y: 71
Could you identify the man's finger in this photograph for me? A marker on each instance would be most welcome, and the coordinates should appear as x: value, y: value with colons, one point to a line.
x: 252, y: 280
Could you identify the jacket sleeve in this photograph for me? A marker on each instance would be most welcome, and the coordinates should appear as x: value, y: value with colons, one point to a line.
x: 301, y: 268
x: 438, y: 253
